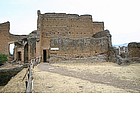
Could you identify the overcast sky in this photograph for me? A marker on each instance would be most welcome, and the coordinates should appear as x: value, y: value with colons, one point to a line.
x: 121, y: 17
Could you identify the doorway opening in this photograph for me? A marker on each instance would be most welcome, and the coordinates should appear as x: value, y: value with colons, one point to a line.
x: 19, y: 56
x: 44, y: 56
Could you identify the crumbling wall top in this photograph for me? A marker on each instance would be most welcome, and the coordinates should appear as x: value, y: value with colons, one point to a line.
x: 134, y: 44
x: 5, y: 26
x: 64, y: 15
x: 102, y: 34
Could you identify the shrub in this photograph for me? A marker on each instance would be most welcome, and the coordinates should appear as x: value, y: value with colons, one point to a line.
x: 3, y: 58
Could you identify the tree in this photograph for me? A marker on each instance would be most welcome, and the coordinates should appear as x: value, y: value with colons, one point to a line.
x: 3, y: 59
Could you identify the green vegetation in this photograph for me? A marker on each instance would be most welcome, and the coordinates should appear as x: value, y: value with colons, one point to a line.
x: 3, y: 58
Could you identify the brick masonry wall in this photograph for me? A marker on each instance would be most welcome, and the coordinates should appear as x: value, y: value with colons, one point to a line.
x: 4, y: 37
x: 19, y: 49
x: 59, y: 25
x: 68, y: 25
x: 134, y: 49
x: 85, y: 47
x: 98, y: 27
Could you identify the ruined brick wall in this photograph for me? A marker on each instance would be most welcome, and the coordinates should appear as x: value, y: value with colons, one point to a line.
x: 134, y: 51
x: 14, y: 38
x: 31, y: 39
x: 58, y: 25
x: 102, y: 34
x: 98, y: 27
x: 125, y: 54
x: 6, y: 37
x: 79, y: 48
x: 68, y: 25
x: 19, y: 49
x: 27, y: 47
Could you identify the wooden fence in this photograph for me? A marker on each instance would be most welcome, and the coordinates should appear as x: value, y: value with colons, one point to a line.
x: 29, y: 74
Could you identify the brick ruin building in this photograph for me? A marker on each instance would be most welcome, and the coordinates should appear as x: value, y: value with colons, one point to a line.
x: 125, y: 54
x: 25, y: 48
x: 66, y: 36
x: 59, y: 36
x: 6, y: 38
x: 25, y: 45
x: 134, y: 51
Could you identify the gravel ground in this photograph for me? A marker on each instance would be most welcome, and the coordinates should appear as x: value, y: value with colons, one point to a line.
x: 79, y: 78
x: 1, y: 87
x: 86, y: 78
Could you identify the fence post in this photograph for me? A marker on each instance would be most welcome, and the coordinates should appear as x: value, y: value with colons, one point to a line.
x: 30, y: 79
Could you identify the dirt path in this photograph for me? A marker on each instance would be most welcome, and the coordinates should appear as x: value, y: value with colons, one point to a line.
x: 83, y: 77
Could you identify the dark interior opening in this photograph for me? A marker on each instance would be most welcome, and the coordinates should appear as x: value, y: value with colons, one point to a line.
x: 19, y: 56
x: 44, y: 56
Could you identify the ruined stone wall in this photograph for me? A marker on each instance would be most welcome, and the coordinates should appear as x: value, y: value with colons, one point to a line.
x: 19, y: 48
x: 98, y: 27
x: 102, y: 34
x: 31, y: 39
x: 6, y: 37
x: 59, y: 25
x: 14, y: 38
x: 125, y: 54
x: 134, y: 51
x: 32, y: 48
x: 39, y: 35
x: 68, y: 25
x: 79, y: 48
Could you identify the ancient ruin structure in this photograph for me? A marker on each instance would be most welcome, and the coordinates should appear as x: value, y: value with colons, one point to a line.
x: 58, y: 35
x: 25, y: 49
x: 61, y: 36
x: 6, y: 38
x: 125, y: 54
x: 70, y: 36
x: 134, y: 51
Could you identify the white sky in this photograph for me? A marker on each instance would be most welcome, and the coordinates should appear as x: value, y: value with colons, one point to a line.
x: 121, y: 17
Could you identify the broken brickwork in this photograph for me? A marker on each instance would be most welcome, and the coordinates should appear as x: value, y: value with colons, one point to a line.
x: 58, y: 34
x: 79, y: 48
x: 6, y: 38
x: 25, y: 49
x: 77, y: 34
x: 134, y: 51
